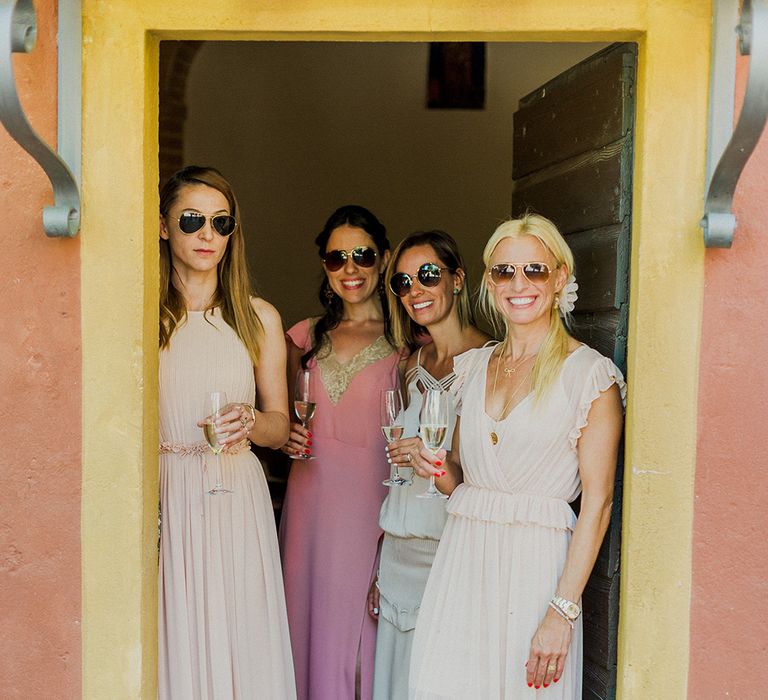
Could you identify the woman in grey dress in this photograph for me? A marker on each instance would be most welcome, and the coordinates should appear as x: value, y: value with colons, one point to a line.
x: 429, y: 298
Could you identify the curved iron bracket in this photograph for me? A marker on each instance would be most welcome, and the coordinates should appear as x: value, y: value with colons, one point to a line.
x: 18, y: 34
x: 719, y: 222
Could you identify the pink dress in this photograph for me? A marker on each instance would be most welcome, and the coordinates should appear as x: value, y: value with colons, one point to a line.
x: 329, y: 531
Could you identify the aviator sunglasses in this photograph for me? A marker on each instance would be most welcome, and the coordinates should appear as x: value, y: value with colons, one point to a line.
x: 192, y: 221
x: 362, y: 256
x: 534, y: 272
x: 429, y: 275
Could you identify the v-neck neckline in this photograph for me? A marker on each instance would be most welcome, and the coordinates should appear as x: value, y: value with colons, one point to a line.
x: 525, y: 398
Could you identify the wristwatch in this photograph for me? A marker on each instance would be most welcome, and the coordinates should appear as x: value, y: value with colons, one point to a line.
x: 570, y: 609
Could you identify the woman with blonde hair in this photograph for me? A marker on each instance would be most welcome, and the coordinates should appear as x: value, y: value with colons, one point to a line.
x: 222, y: 625
x: 540, y: 423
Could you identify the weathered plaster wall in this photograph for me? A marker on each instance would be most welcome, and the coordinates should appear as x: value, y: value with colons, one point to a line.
x: 40, y: 645
x: 729, y: 615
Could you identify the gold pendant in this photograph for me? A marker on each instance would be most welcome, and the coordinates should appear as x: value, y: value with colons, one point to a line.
x: 494, y: 438
x: 509, y: 371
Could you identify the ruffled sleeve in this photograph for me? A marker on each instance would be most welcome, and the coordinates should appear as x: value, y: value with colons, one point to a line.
x: 462, y: 367
x: 602, y: 376
x: 300, y: 334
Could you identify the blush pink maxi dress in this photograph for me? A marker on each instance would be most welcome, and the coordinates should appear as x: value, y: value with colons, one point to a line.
x: 222, y: 627
x: 504, y: 545
x: 329, y: 531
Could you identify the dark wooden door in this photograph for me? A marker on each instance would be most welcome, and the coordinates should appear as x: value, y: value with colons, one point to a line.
x: 573, y: 145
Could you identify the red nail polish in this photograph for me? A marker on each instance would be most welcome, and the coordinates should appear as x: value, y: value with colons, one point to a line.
x: 306, y: 452
x: 537, y: 686
x: 309, y: 434
x: 546, y: 685
x: 555, y: 680
x: 438, y: 464
x: 309, y: 442
x: 530, y: 685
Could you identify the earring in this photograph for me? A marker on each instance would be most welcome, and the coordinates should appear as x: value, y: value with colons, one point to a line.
x: 456, y: 291
x: 329, y: 293
x: 381, y: 285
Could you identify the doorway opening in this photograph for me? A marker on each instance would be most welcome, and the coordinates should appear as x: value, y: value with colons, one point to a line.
x: 300, y: 128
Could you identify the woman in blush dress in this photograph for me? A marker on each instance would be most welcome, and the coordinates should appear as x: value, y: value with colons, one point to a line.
x: 540, y: 422
x: 428, y: 294
x: 329, y: 532
x: 222, y: 625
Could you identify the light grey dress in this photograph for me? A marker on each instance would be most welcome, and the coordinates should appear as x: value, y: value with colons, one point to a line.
x: 412, y: 529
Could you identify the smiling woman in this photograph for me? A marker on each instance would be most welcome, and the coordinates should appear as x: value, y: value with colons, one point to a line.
x: 328, y: 532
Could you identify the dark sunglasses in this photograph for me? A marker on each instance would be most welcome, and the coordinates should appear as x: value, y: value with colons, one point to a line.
x: 192, y: 221
x: 534, y: 272
x: 429, y: 275
x: 362, y: 255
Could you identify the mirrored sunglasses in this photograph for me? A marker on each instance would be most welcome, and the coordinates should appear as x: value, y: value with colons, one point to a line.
x: 192, y: 221
x: 429, y: 275
x: 534, y: 272
x: 362, y: 255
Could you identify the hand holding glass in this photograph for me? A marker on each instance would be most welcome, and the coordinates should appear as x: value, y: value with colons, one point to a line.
x: 303, y: 403
x: 433, y: 426
x: 392, y: 426
x: 217, y: 403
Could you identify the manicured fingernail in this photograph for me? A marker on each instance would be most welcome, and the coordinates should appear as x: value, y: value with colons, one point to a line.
x: 537, y: 686
x: 309, y: 434
x: 438, y: 464
x: 530, y: 685
x: 375, y: 611
x: 546, y: 685
x: 555, y: 680
x: 309, y: 442
x: 306, y: 452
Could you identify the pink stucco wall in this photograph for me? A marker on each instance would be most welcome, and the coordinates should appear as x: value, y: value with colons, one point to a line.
x: 40, y: 377
x: 729, y: 616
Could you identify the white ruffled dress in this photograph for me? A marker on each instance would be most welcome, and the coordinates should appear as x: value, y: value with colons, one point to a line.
x: 505, y: 543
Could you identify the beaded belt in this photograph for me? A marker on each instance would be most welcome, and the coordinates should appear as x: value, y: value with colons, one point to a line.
x: 199, y: 448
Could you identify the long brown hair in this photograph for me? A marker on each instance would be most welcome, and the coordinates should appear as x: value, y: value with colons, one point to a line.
x: 233, y: 291
x: 404, y: 329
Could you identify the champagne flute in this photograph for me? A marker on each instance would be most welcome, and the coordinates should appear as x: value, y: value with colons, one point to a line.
x: 433, y: 426
x: 391, y: 403
x: 303, y: 402
x: 217, y: 403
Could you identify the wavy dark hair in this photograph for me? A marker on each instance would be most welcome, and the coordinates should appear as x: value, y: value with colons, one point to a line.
x: 359, y: 217
x: 404, y: 329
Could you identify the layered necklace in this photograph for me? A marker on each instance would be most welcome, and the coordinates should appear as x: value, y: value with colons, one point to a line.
x: 509, y: 372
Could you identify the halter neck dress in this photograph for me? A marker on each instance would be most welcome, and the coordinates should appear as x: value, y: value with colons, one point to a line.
x: 412, y: 529
x: 505, y: 543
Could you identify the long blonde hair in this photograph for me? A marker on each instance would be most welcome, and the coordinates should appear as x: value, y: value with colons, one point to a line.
x: 404, y: 328
x: 233, y: 291
x: 554, y: 349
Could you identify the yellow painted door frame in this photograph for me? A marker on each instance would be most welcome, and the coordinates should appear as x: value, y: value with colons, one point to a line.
x: 119, y: 294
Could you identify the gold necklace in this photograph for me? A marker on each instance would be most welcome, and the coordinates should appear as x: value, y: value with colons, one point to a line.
x: 494, y: 437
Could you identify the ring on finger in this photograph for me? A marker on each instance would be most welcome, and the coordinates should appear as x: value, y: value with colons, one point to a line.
x: 408, y: 457
x: 551, y: 668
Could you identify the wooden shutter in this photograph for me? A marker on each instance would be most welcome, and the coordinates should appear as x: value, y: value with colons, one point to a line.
x: 573, y: 146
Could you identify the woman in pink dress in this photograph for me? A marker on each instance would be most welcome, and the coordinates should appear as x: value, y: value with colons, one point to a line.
x: 329, y: 531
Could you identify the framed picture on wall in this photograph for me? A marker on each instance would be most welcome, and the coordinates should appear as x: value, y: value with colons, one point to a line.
x: 456, y: 75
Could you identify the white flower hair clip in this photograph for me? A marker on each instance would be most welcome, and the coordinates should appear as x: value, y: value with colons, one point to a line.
x: 566, y: 300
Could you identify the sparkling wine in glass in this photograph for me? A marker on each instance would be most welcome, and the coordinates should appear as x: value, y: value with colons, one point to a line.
x: 391, y: 403
x: 217, y: 402
x: 303, y: 402
x: 433, y: 427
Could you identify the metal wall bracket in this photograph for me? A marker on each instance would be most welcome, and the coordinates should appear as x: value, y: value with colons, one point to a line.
x: 18, y: 34
x: 719, y: 222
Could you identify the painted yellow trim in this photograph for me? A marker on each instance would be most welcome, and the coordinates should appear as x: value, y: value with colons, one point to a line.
x: 119, y: 295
